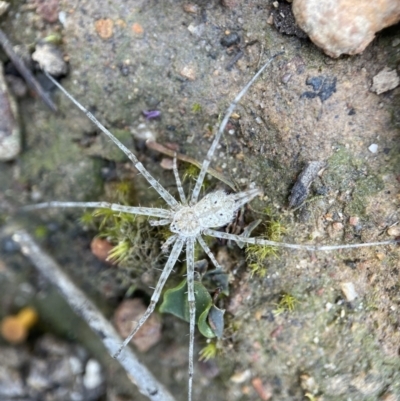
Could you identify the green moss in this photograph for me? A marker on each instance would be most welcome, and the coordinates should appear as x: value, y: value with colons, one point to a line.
x: 365, y: 187
x: 347, y: 173
x: 287, y: 303
x: 196, y: 108
x: 257, y: 255
x: 41, y: 232
x: 208, y: 352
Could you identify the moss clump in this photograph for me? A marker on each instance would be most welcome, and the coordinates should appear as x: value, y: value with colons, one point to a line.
x: 350, y: 175
x: 196, y: 108
x: 210, y: 351
x: 257, y: 255
x: 287, y: 303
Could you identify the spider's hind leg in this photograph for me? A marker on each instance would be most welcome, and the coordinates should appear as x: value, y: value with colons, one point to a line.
x: 173, y: 257
x: 178, y: 182
x: 244, y: 197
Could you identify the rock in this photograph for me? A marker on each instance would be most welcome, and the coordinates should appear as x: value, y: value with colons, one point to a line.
x: 4, y: 7
x: 10, y: 137
x: 128, y: 314
x: 349, y: 291
x: 50, y: 58
x: 344, y: 26
x: 47, y: 9
x: 93, y: 376
x: 373, y: 148
x: 384, y: 81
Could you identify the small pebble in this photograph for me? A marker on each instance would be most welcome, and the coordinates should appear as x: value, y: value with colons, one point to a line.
x: 137, y: 29
x: 240, y: 377
x: 93, y: 377
x: 101, y: 248
x: 396, y: 42
x: 3, y: 7
x: 188, y: 72
x: 349, y: 291
x: 50, y: 58
x: 373, y: 148
x: 191, y: 8
x: 104, y: 28
x: 337, y: 226
x: 308, y: 384
x: 75, y: 365
x: 143, y: 133
x: 62, y: 17
x: 47, y: 9
x: 354, y: 221
x: 394, y: 231
x: 384, y: 81
x: 196, y: 29
x: 128, y: 314
x: 286, y: 78
x: 167, y: 163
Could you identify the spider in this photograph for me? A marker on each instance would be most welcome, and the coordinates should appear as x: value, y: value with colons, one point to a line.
x: 188, y: 219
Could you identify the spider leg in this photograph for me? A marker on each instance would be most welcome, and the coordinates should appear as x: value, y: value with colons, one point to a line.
x: 207, y: 250
x: 144, y: 211
x: 138, y: 165
x: 244, y: 197
x: 262, y: 241
x: 173, y: 257
x: 162, y: 222
x: 178, y: 182
x: 192, y: 307
x: 210, y: 153
x: 168, y: 243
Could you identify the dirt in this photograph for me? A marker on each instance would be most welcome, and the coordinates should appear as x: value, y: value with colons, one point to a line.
x: 168, y: 56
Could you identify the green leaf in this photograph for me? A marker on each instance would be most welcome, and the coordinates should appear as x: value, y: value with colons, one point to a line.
x: 176, y: 302
x: 216, y: 320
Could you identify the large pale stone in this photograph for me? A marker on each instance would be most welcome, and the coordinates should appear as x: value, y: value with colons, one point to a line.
x: 344, y: 26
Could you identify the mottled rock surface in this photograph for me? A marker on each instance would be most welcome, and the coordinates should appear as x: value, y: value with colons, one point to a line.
x: 344, y: 26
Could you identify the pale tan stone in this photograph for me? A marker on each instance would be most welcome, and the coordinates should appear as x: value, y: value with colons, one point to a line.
x: 344, y: 26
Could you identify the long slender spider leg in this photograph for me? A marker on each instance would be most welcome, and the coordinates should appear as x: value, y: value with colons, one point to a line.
x: 168, y: 243
x: 144, y: 211
x: 192, y: 307
x: 138, y: 165
x: 178, y: 181
x: 207, y: 250
x: 162, y: 222
x: 210, y: 153
x: 244, y: 197
x: 262, y: 241
x: 173, y: 257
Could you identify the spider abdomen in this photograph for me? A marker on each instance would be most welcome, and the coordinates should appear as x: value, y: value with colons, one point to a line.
x: 214, y: 210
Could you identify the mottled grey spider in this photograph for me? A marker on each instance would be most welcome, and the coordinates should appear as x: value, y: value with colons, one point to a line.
x: 188, y: 219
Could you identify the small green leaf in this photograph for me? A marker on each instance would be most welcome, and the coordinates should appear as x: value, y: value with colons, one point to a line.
x: 217, y: 278
x: 216, y: 320
x: 176, y: 302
